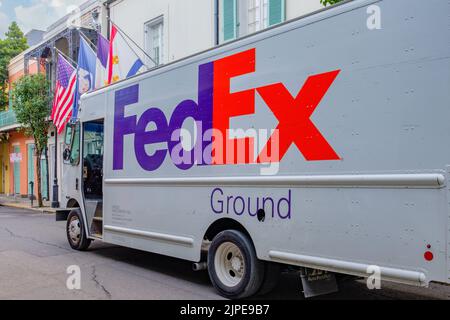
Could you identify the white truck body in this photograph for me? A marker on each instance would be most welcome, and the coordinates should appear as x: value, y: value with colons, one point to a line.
x: 364, y: 124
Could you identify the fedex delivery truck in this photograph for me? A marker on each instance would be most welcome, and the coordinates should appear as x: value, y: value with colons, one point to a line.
x: 319, y: 144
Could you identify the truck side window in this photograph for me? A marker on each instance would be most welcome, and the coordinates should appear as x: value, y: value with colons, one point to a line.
x: 75, y: 146
x: 69, y: 132
x: 68, y: 143
x: 71, y: 153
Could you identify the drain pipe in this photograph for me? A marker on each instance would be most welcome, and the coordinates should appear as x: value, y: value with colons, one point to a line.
x: 107, y: 5
x: 216, y: 23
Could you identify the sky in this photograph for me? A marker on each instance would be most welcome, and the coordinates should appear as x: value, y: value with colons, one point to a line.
x: 33, y: 14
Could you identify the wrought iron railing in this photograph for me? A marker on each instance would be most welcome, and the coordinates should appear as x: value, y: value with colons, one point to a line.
x: 7, y: 118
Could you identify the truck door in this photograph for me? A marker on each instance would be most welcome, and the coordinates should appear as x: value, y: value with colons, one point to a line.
x: 93, y: 149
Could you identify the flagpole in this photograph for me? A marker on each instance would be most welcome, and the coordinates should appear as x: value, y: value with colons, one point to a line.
x: 134, y: 42
x: 55, y: 197
x: 66, y: 57
x: 83, y: 35
x: 55, y: 202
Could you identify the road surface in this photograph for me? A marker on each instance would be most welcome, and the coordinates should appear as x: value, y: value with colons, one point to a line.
x: 35, y: 255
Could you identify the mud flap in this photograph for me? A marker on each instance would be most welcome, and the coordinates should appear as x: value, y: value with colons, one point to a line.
x: 316, y: 282
x: 61, y: 215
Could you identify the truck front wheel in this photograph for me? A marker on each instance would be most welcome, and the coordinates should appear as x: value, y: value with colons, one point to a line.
x: 233, y: 267
x: 75, y: 232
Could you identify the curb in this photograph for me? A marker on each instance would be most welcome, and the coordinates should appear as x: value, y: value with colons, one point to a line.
x: 49, y: 211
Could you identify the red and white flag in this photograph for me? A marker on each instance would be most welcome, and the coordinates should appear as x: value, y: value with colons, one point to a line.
x: 64, y: 99
x: 123, y: 62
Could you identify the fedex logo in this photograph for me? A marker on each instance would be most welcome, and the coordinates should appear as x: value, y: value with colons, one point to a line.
x: 216, y: 105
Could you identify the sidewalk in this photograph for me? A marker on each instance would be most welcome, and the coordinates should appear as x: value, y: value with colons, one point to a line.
x: 25, y: 203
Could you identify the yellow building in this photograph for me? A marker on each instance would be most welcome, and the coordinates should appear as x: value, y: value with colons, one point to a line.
x: 17, y: 156
x: 4, y: 172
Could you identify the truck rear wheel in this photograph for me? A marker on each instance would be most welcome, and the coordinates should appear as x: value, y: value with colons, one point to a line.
x: 76, y: 234
x: 272, y: 275
x: 233, y: 267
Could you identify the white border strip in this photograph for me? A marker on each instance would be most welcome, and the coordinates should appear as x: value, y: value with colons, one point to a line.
x: 357, y: 269
x: 332, y: 181
x: 153, y: 235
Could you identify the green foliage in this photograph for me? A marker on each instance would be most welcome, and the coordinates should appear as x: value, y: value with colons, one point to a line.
x: 31, y: 101
x: 329, y: 2
x: 13, y: 44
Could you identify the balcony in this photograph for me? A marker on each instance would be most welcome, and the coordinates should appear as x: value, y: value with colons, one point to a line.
x: 8, y: 120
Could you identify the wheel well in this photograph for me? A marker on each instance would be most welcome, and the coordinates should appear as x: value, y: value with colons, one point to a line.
x: 72, y: 203
x: 225, y: 224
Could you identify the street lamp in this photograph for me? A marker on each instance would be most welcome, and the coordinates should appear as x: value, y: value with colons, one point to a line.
x: 55, y: 198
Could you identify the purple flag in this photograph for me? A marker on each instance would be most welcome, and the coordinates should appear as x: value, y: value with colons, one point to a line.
x: 102, y: 62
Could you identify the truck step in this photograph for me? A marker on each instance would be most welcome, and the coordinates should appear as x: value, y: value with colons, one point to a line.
x: 98, y: 236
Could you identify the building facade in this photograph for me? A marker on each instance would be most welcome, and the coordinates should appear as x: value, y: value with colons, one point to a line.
x: 63, y: 36
x: 17, y: 154
x: 18, y: 160
x: 169, y: 30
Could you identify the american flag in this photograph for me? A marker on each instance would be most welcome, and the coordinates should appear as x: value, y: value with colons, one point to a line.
x: 64, y: 93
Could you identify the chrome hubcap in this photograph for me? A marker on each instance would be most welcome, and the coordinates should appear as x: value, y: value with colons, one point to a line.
x: 75, y: 230
x: 229, y: 264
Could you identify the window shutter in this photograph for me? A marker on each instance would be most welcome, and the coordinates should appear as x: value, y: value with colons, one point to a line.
x: 229, y: 19
x: 276, y: 11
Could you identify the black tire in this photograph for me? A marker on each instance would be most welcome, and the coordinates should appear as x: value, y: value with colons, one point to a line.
x: 252, y: 275
x: 77, y: 240
x: 272, y: 273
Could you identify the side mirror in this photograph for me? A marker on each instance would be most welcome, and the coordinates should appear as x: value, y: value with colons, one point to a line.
x: 66, y: 154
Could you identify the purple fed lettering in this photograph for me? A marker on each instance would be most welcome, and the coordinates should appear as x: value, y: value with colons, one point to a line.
x: 144, y: 138
x: 166, y: 131
x: 123, y: 125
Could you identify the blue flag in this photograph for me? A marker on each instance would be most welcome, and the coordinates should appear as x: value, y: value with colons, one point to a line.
x: 87, y: 59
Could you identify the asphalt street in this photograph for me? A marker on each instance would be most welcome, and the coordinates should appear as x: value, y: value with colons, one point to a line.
x: 35, y: 257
